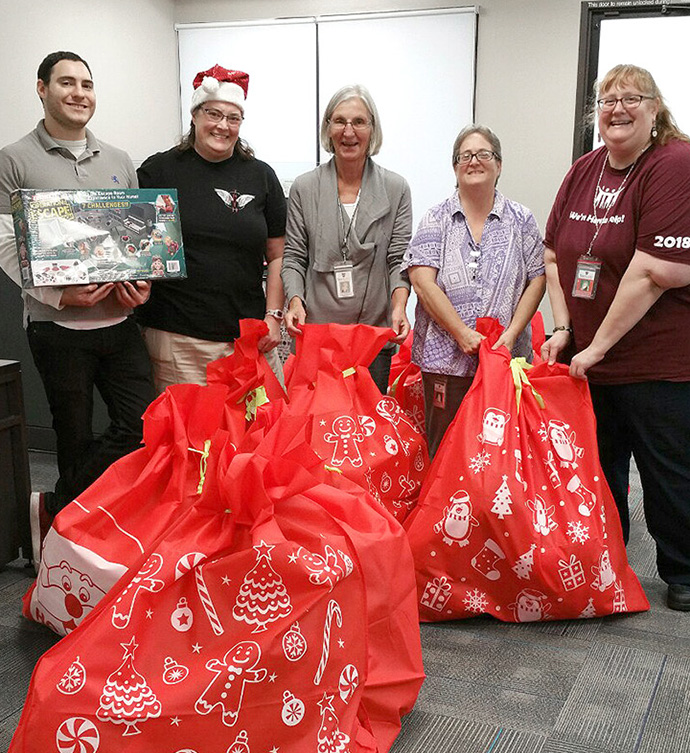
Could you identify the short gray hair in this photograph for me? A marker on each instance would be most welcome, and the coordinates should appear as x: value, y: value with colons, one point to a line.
x: 353, y: 91
x: 487, y: 133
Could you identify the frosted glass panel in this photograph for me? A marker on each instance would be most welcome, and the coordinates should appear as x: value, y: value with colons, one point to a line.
x: 658, y: 44
x: 420, y: 71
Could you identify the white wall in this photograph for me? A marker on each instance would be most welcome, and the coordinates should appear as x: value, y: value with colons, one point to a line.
x: 526, y: 76
x: 131, y: 48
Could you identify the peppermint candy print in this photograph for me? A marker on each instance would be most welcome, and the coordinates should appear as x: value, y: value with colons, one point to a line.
x: 77, y: 735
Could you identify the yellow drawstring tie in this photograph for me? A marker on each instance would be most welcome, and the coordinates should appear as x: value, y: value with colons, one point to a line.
x: 254, y: 400
x: 203, y: 464
x: 349, y: 372
x: 333, y: 469
x: 518, y: 367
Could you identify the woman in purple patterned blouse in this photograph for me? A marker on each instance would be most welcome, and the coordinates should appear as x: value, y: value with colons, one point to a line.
x: 475, y: 254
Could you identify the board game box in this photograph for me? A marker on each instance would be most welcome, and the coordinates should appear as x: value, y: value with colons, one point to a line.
x: 106, y: 235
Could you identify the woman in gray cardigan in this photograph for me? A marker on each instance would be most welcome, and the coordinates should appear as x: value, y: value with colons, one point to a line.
x: 349, y: 223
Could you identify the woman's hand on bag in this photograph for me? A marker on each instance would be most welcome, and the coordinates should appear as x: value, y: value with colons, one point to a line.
x: 295, y: 317
x: 506, y: 340
x: 469, y: 341
x: 552, y: 348
x: 269, y: 341
x: 583, y: 361
x: 400, y: 323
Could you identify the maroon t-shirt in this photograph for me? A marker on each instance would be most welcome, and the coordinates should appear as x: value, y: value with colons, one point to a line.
x: 651, y: 213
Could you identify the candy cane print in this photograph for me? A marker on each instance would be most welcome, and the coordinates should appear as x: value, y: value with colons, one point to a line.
x: 206, y: 602
x: 333, y: 609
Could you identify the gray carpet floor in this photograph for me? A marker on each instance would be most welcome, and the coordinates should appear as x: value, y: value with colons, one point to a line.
x: 611, y: 685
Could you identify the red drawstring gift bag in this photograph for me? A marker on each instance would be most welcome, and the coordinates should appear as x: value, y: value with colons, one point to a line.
x: 349, y: 423
x: 515, y: 518
x: 239, y: 629
x: 406, y: 386
x: 395, y: 665
x: 97, y: 537
x: 248, y: 377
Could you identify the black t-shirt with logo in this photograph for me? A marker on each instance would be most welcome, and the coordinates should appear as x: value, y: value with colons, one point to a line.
x: 228, y: 210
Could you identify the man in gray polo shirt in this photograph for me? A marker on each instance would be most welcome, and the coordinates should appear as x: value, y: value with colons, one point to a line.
x: 81, y: 336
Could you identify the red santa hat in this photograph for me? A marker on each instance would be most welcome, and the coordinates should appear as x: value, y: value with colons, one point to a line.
x: 220, y: 85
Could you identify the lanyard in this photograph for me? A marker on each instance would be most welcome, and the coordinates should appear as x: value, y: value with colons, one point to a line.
x: 346, y: 232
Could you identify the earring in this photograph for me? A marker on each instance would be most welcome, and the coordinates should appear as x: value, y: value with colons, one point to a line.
x: 654, y: 131
x: 599, y: 137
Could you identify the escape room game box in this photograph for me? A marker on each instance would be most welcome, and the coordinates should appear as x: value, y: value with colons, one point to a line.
x: 106, y: 235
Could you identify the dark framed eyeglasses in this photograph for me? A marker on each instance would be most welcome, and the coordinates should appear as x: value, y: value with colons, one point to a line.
x: 629, y: 101
x: 483, y: 155
x: 216, y: 116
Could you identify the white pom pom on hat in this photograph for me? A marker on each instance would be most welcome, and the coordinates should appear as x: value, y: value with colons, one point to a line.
x: 220, y: 85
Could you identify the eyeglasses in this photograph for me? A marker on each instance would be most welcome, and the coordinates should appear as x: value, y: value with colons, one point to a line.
x: 359, y: 124
x: 483, y: 155
x: 216, y: 116
x: 629, y: 101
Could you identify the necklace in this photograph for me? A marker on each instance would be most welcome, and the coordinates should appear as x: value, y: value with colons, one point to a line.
x: 599, y: 223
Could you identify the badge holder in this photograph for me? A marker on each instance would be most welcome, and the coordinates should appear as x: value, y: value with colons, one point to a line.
x: 586, y: 277
x: 344, y: 285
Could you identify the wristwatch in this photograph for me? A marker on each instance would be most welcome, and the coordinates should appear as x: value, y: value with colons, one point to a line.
x: 276, y: 314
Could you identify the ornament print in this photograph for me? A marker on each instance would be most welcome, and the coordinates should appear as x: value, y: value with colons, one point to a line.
x: 226, y: 690
x: 294, y: 643
x: 173, y: 672
x: 74, y: 678
x: 389, y: 410
x: 182, y: 617
x: 263, y: 597
x: 293, y: 710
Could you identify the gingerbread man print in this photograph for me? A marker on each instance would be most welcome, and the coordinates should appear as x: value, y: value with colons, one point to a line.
x: 226, y: 689
x: 142, y: 581
x: 345, y: 437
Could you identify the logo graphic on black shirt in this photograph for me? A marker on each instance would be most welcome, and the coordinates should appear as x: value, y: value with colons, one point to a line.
x: 233, y: 199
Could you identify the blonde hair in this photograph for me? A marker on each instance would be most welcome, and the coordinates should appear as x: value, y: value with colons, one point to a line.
x: 666, y: 127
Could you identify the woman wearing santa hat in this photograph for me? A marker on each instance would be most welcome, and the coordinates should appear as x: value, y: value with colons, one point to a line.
x: 349, y: 223
x: 232, y: 210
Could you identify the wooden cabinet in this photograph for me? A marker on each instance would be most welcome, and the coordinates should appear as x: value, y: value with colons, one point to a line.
x: 15, y: 482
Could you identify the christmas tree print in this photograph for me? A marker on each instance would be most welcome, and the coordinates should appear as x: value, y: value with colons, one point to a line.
x: 525, y: 562
x: 330, y: 739
x: 502, y: 500
x: 263, y: 597
x: 127, y: 698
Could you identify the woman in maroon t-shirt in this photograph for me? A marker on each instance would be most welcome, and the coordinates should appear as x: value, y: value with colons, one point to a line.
x: 618, y: 275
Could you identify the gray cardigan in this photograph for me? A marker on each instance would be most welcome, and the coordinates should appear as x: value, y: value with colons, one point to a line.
x: 378, y: 240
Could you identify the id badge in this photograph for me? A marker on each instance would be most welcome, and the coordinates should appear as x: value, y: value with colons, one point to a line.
x: 440, y: 393
x: 586, y: 277
x: 344, y: 287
